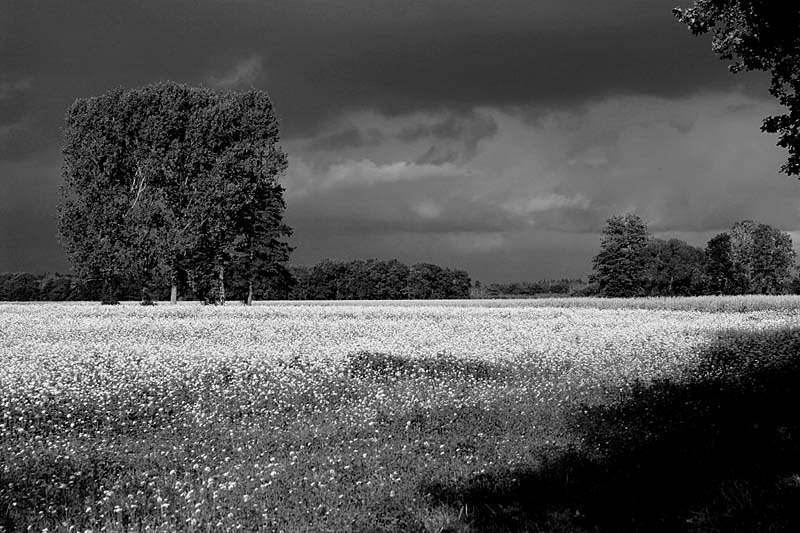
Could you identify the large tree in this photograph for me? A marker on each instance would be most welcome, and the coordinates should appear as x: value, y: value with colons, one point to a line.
x: 762, y: 256
x: 429, y: 281
x: 674, y: 268
x: 720, y: 274
x: 170, y: 179
x: 238, y: 202
x: 620, y: 268
x: 758, y: 35
x: 105, y: 188
x: 387, y: 279
x: 751, y: 258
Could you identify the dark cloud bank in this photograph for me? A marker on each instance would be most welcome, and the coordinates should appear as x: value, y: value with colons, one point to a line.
x: 490, y: 136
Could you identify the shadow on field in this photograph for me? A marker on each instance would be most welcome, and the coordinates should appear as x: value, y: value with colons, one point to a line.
x: 717, y: 451
x: 376, y: 365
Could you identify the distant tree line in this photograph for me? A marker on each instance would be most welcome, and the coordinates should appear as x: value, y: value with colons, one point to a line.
x: 370, y: 279
x: 529, y: 289
x: 56, y: 287
x: 750, y: 258
x: 27, y: 287
x: 374, y: 279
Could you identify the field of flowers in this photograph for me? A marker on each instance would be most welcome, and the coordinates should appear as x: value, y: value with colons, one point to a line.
x: 324, y: 417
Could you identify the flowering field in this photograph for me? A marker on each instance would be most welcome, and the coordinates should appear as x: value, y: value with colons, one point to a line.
x: 334, y: 417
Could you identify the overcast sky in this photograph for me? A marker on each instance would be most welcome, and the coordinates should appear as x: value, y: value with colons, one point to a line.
x: 493, y: 136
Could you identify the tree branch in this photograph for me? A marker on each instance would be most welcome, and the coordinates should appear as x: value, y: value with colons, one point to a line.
x: 142, y: 185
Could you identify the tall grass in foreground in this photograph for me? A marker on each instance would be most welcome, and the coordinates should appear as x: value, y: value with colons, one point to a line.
x: 622, y: 433
x: 333, y: 452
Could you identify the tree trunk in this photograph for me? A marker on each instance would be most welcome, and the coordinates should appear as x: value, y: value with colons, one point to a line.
x: 173, y: 293
x: 110, y: 295
x: 221, y: 295
x: 250, y: 274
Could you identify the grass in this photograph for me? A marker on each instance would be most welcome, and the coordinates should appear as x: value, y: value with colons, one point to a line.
x: 708, y: 304
x: 714, y: 451
x: 333, y: 459
x: 195, y: 429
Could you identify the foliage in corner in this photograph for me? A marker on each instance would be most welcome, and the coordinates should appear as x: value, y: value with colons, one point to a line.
x: 758, y: 35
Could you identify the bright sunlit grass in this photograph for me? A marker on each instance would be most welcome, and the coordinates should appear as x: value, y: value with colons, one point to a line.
x: 333, y: 417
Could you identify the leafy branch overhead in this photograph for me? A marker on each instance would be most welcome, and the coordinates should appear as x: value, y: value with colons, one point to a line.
x: 758, y: 35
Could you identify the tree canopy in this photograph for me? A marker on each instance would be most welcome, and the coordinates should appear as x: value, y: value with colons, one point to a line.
x: 763, y: 258
x: 620, y: 266
x: 750, y: 258
x: 374, y: 279
x: 673, y: 268
x: 721, y: 275
x: 758, y: 35
x: 173, y: 181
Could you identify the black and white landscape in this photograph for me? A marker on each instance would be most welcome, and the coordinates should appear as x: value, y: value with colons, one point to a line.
x: 399, y: 266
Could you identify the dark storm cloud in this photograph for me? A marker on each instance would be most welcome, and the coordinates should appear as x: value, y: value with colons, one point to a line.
x: 31, y: 245
x: 438, y: 155
x: 468, y: 128
x: 447, y: 130
x: 570, y: 219
x: 366, y: 212
x: 18, y: 141
x: 22, y: 126
x: 358, y: 197
x: 694, y: 164
x: 14, y: 102
x: 348, y: 138
x: 319, y: 58
x: 28, y: 215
